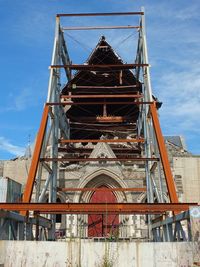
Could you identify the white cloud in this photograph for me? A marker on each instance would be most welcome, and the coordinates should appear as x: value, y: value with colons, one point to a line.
x: 24, y: 98
x: 164, y: 9
x: 34, y: 27
x: 12, y: 149
x: 174, y: 43
x: 180, y: 93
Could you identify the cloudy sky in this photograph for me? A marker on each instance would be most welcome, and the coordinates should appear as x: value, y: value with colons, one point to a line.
x: 27, y: 33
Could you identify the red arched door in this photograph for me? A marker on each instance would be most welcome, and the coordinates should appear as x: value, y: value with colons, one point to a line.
x: 103, y: 225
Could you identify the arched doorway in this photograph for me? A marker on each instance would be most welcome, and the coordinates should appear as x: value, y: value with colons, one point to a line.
x: 103, y: 225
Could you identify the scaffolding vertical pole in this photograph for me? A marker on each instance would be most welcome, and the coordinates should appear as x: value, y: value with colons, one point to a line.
x: 53, y: 96
x: 147, y: 91
x: 160, y: 179
x: 147, y: 97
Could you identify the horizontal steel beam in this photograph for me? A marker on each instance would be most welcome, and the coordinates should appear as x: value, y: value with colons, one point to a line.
x: 85, y: 152
x: 131, y: 126
x: 99, y: 66
x: 85, y: 189
x: 103, y: 119
x: 100, y: 28
x: 74, y: 86
x: 89, y: 150
x: 98, y: 103
x: 103, y: 96
x: 98, y: 159
x: 86, y: 208
x: 101, y: 14
x: 137, y: 140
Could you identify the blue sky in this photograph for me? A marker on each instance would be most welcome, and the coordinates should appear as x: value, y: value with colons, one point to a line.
x: 27, y: 33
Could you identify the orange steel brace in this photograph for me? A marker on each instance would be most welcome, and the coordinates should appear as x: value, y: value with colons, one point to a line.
x: 96, y: 189
x: 138, y: 140
x: 36, y: 156
x: 86, y: 208
x: 163, y: 154
x: 103, y: 96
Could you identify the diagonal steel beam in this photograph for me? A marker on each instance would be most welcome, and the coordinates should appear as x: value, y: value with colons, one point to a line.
x: 36, y: 156
x: 163, y: 154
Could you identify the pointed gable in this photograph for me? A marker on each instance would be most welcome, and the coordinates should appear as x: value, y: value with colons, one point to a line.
x: 95, y: 118
x: 102, y: 150
x: 103, y: 54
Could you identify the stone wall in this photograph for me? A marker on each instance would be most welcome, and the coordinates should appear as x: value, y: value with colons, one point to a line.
x: 17, y: 169
x: 187, y: 177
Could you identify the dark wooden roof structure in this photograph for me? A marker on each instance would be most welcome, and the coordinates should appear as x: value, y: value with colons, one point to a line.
x: 106, y: 114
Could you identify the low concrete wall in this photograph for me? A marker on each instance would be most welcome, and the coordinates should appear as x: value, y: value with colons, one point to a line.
x: 87, y: 253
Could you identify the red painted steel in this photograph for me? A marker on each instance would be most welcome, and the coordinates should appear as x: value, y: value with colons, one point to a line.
x: 36, y: 155
x: 105, y: 87
x: 98, y: 159
x: 133, y: 189
x: 70, y: 103
x: 101, y: 14
x: 163, y: 154
x: 88, y: 208
x: 100, y: 28
x: 103, y: 96
x: 100, y: 225
x: 99, y: 67
x: 137, y: 140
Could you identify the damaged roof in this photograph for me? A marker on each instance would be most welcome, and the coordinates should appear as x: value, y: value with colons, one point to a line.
x: 100, y: 117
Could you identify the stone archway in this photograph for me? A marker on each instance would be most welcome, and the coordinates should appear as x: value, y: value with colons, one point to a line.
x: 102, y: 178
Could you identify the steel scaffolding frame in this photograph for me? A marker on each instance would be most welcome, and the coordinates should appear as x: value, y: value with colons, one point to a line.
x: 55, y: 130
